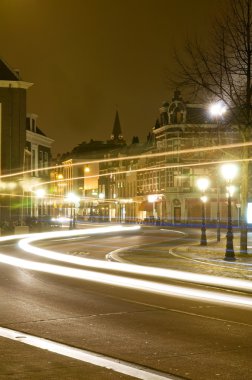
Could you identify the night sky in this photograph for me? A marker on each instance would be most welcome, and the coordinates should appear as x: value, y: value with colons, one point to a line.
x: 88, y: 58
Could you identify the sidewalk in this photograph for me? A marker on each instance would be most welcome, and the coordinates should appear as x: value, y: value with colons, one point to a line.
x: 210, y: 259
x: 191, y: 257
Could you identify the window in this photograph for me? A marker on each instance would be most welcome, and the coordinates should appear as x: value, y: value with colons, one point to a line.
x: 33, y: 160
x: 33, y: 125
x: 46, y: 162
x: 40, y: 159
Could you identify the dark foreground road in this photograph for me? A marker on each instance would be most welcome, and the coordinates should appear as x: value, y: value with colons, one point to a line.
x: 178, y: 336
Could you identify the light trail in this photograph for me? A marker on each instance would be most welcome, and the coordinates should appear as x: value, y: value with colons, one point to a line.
x: 151, y: 155
x: 108, y: 174
x: 129, y: 283
x: 144, y: 169
x: 223, y: 282
x: 116, y: 280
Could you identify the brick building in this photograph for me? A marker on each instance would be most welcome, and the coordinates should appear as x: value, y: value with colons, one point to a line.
x: 23, y: 146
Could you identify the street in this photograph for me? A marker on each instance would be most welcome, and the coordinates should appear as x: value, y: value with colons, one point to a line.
x: 178, y: 336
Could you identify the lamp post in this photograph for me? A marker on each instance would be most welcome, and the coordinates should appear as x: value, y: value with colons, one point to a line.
x: 229, y: 172
x: 40, y: 194
x: 73, y: 200
x: 101, y: 196
x: 71, y: 217
x: 217, y: 110
x: 152, y: 198
x: 203, y: 184
x: 218, y: 214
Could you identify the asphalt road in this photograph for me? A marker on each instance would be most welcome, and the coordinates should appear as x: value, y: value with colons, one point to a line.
x: 178, y: 336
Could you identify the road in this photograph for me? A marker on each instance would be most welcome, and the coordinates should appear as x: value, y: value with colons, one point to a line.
x: 177, y: 336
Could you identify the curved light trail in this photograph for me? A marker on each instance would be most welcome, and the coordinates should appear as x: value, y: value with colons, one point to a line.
x: 130, y: 283
x: 25, y: 244
x: 116, y: 280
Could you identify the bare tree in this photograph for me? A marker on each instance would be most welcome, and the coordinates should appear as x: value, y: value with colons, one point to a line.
x: 223, y: 72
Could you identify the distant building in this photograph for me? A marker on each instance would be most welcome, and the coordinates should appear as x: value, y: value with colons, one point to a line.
x: 80, y: 175
x: 155, y: 180
x: 185, y: 126
x: 36, y: 172
x: 118, y: 182
x: 159, y: 182
x: 97, y: 148
x: 117, y: 136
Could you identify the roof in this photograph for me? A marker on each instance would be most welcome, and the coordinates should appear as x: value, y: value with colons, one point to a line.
x: 117, y: 131
x: 6, y: 73
x: 38, y: 130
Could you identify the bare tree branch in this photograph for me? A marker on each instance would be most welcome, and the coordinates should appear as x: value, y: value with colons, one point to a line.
x: 223, y: 72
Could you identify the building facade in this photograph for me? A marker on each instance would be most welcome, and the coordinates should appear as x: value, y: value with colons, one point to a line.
x: 24, y: 149
x: 184, y: 149
x: 160, y: 182
x: 157, y: 181
x: 36, y: 177
x: 80, y: 175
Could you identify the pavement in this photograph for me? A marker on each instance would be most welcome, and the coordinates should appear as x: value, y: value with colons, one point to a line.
x: 192, y: 257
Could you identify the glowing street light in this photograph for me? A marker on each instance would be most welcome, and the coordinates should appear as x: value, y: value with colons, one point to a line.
x: 217, y: 109
x: 73, y: 199
x: 40, y: 194
x: 101, y: 196
x: 229, y: 172
x: 152, y: 198
x: 203, y: 184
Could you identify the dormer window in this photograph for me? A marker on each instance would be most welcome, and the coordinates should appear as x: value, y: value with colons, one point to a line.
x: 177, y: 112
x: 33, y: 122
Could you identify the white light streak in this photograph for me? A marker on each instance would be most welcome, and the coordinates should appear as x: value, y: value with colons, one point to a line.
x: 130, y: 283
x: 223, y: 282
x: 151, y: 168
x: 116, y: 280
x: 162, y: 154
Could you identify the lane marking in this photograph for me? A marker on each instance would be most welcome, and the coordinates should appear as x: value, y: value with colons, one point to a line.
x: 163, y: 308
x: 126, y: 368
x: 208, y: 317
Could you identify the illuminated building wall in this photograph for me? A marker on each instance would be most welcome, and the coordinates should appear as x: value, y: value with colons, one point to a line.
x: 13, y: 99
x: 21, y: 147
x: 189, y: 126
x: 13, y: 123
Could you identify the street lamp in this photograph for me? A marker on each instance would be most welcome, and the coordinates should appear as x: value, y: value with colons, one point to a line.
x: 152, y: 198
x: 40, y: 194
x: 203, y: 184
x: 218, y: 214
x: 73, y: 200
x: 217, y: 110
x: 229, y: 172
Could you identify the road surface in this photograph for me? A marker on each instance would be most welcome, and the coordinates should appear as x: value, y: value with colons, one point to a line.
x: 154, y: 332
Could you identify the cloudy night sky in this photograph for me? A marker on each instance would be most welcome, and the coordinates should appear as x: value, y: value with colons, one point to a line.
x: 88, y: 58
